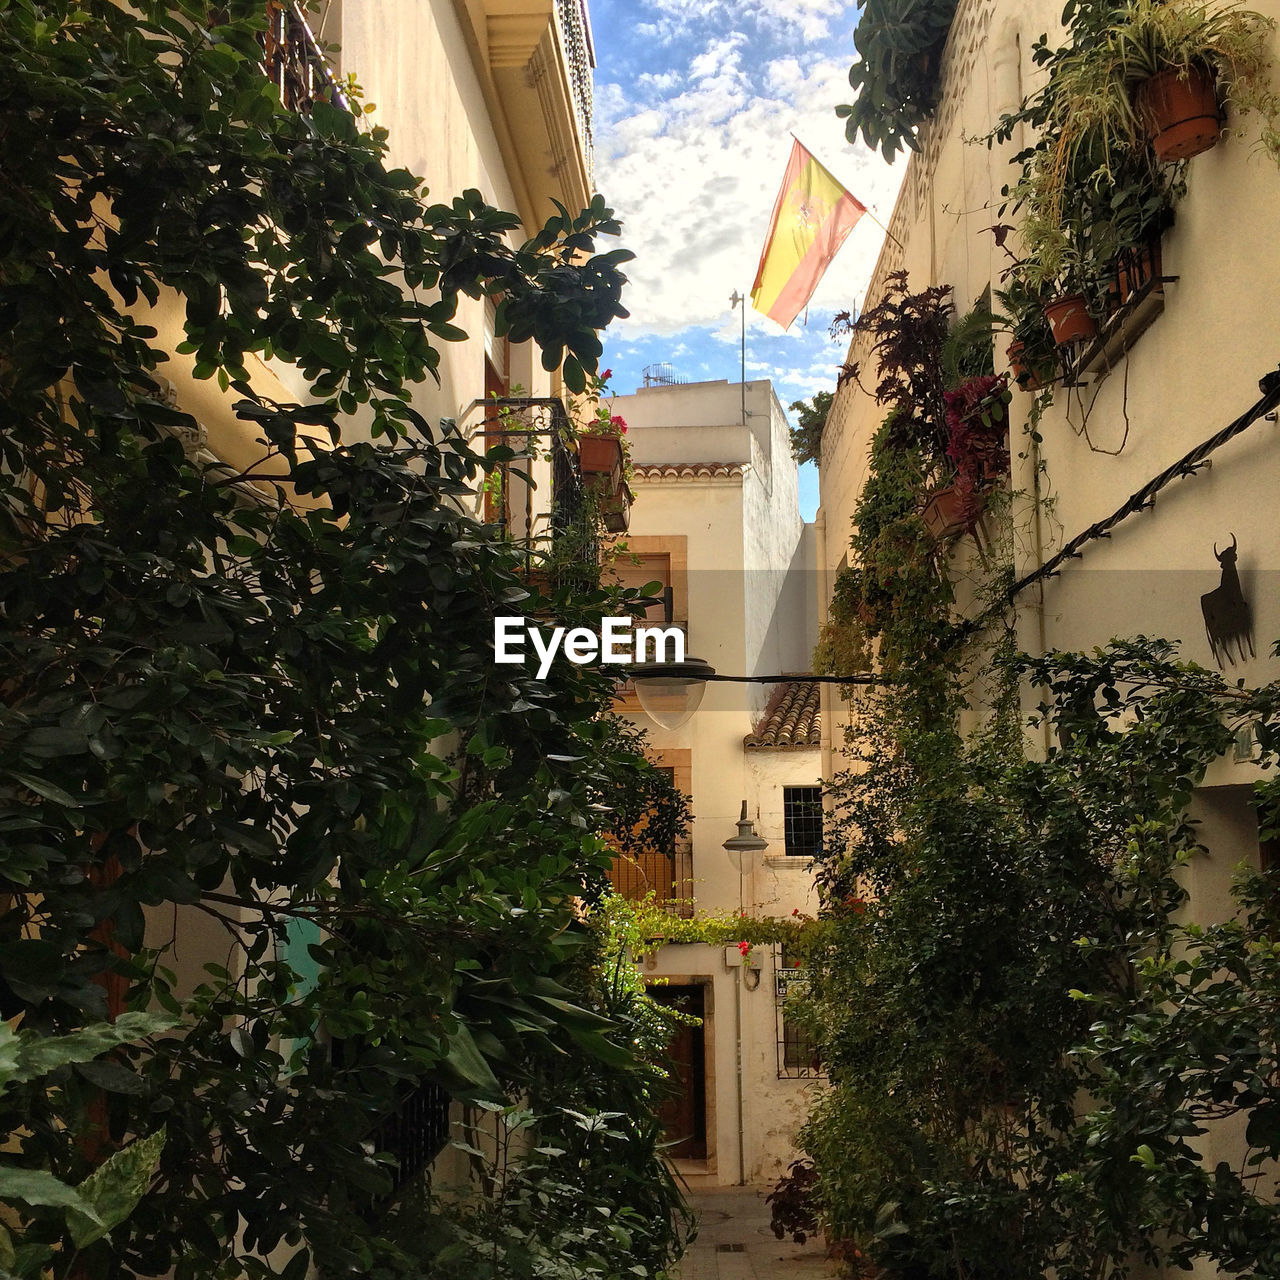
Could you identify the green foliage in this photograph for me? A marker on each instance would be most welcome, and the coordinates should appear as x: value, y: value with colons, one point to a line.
x: 646, y: 925
x: 894, y: 589
x: 811, y: 419
x: 1027, y: 1045
x: 1090, y: 188
x: 577, y: 1184
x: 284, y: 722
x: 111, y: 1193
x: 896, y: 79
x: 1000, y: 887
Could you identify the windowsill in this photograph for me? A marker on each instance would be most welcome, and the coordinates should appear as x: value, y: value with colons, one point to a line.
x: 789, y: 861
x: 1122, y: 331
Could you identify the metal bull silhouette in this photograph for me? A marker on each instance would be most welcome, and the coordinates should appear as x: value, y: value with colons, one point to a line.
x: 1227, y: 618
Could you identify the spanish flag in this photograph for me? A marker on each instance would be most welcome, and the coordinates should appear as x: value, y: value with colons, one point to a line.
x: 812, y: 217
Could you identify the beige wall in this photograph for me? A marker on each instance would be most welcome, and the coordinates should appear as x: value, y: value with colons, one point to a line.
x: 748, y: 579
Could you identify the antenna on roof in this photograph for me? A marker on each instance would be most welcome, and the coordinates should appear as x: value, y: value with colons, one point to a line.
x: 661, y: 375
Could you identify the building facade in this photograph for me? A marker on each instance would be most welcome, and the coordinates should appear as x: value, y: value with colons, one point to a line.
x: 1140, y: 486
x: 718, y: 524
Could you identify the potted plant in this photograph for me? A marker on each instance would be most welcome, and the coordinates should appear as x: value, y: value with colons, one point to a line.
x: 1032, y: 355
x: 978, y: 430
x: 951, y: 510
x: 602, y: 448
x: 1095, y: 194
x: 615, y: 509
x: 1061, y: 264
x: 1172, y: 60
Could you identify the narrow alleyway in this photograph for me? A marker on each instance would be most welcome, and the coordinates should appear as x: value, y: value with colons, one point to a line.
x: 735, y: 1243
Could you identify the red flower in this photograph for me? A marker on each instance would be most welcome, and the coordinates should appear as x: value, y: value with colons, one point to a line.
x: 606, y: 375
x: 744, y: 948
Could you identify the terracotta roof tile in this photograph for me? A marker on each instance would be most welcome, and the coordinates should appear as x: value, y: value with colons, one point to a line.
x: 688, y: 470
x: 793, y: 718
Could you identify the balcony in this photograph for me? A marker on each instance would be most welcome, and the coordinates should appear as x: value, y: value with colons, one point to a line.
x: 536, y: 496
x: 293, y: 60
x: 669, y: 877
x: 534, y: 59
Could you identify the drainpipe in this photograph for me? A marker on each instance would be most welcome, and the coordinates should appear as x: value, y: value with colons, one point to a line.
x: 826, y: 697
x: 742, y: 1129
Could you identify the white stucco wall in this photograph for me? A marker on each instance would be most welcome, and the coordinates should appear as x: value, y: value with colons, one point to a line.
x: 412, y: 60
x: 751, y: 610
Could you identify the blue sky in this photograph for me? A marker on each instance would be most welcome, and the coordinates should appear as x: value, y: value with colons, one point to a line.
x: 695, y: 104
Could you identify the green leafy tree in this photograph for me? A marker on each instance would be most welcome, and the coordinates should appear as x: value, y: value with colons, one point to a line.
x: 896, y: 79
x: 286, y: 722
x: 811, y: 420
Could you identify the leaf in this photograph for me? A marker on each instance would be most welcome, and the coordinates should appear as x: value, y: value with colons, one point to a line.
x: 111, y: 1076
x: 39, y: 1187
x: 42, y: 787
x: 465, y: 1058
x: 25, y: 1055
x: 112, y: 1191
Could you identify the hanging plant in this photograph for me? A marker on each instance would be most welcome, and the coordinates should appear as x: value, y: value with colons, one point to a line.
x: 978, y: 429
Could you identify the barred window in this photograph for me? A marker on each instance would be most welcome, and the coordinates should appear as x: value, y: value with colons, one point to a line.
x: 802, y: 821
x: 798, y: 1057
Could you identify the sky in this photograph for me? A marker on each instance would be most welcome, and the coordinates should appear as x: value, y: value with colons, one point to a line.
x: 695, y: 105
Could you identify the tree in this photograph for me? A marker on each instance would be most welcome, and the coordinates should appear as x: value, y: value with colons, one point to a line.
x: 811, y: 417
x: 286, y: 722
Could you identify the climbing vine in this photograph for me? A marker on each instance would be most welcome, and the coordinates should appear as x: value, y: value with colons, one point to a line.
x: 1003, y: 935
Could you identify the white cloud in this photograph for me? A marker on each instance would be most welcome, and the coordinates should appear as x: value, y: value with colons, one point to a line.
x: 805, y: 20
x: 657, y: 82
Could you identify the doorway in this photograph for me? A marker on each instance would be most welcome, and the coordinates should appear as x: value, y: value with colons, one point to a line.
x: 684, y: 1114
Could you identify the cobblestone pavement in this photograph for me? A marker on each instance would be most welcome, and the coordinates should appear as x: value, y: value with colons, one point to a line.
x: 734, y: 1241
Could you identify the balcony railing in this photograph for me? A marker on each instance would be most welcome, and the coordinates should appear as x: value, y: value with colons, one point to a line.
x: 668, y: 877
x: 294, y: 61
x: 575, y: 33
x: 414, y: 1133
x: 536, y: 496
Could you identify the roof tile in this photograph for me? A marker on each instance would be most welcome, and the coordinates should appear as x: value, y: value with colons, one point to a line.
x: 793, y: 718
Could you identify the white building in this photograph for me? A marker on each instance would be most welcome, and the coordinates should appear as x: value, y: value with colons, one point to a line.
x: 718, y: 523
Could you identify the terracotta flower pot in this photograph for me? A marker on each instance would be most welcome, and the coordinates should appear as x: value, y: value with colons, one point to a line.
x: 601, y: 455
x: 1069, y: 319
x: 1023, y: 374
x: 1180, y: 109
x: 950, y: 511
x: 615, y: 510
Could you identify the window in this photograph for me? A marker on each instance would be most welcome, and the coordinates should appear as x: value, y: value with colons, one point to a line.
x: 802, y: 821
x: 798, y: 1057
x: 638, y: 571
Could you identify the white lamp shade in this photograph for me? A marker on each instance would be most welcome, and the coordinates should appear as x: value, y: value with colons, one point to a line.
x: 670, y: 692
x: 670, y: 703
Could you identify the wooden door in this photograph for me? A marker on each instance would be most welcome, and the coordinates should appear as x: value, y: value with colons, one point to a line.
x: 684, y: 1112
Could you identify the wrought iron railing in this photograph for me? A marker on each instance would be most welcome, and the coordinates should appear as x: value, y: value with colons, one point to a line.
x: 668, y: 877
x: 575, y: 34
x: 414, y: 1133
x: 537, y: 430
x: 294, y: 62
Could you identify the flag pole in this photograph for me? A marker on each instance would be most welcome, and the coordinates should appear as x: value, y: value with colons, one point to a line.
x: 737, y: 299
x: 870, y: 213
